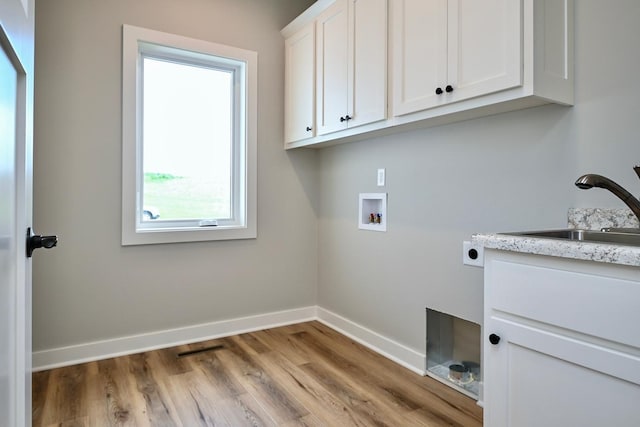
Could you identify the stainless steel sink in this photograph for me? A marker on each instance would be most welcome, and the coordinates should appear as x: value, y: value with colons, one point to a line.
x: 616, y: 238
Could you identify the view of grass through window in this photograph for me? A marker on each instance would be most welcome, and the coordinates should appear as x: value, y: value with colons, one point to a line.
x: 187, y: 133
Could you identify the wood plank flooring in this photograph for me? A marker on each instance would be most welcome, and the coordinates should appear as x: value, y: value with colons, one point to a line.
x: 300, y: 375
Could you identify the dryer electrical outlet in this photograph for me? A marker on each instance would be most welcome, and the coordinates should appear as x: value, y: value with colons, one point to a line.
x: 472, y: 254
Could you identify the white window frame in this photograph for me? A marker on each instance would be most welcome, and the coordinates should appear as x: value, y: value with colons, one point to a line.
x: 136, y: 43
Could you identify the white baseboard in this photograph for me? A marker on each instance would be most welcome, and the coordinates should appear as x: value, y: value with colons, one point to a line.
x: 401, y: 354
x: 98, y: 350
x: 81, y: 353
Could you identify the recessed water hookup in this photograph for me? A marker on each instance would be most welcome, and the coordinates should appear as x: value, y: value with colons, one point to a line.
x: 372, y: 211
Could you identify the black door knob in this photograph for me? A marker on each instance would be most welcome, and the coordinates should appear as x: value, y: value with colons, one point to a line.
x: 449, y: 88
x: 439, y: 91
x: 494, y: 339
x: 35, y: 241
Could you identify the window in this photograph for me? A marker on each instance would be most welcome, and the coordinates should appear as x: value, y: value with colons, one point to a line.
x: 189, y: 139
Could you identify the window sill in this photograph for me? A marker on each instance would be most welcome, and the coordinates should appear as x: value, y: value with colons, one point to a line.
x: 153, y: 236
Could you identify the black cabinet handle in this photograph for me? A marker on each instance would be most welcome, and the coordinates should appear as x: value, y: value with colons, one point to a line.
x: 342, y: 119
x: 345, y: 118
x: 494, y: 339
x: 308, y: 129
x: 439, y: 91
x: 449, y: 88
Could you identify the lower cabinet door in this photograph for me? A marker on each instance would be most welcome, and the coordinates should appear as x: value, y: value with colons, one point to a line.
x: 537, y: 377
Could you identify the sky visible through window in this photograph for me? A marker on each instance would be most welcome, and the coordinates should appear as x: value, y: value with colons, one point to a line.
x: 187, y: 140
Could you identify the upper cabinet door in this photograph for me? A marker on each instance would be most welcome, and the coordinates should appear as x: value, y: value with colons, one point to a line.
x: 300, y: 85
x: 351, y: 84
x: 419, y: 54
x: 485, y: 47
x: 449, y: 50
x: 368, y: 68
x: 332, y: 68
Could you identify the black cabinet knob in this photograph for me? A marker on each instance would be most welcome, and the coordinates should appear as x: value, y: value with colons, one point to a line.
x: 449, y: 88
x: 308, y: 129
x: 348, y: 117
x: 439, y: 91
x: 494, y: 339
x: 342, y: 119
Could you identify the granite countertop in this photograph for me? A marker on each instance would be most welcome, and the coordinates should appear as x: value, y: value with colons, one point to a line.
x: 587, y: 219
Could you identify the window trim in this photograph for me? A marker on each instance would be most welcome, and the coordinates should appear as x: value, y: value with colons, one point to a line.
x: 136, y: 40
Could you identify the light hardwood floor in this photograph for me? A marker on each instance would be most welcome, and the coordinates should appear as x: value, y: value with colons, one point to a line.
x: 300, y: 375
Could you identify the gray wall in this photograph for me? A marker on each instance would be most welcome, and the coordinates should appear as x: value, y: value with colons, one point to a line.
x: 513, y: 171
x: 508, y: 172
x: 90, y: 287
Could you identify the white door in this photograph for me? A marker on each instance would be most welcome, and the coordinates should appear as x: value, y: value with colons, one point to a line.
x: 16, y: 113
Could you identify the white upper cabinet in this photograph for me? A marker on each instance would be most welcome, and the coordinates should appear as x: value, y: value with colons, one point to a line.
x: 449, y: 50
x: 368, y: 91
x: 485, y: 47
x: 299, y: 97
x: 351, y: 64
x: 447, y: 60
x: 332, y: 68
x: 419, y: 46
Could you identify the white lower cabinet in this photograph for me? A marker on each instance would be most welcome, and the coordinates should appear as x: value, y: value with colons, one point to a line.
x: 561, y: 342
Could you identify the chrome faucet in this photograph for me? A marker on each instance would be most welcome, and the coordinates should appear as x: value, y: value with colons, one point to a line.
x: 588, y: 181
